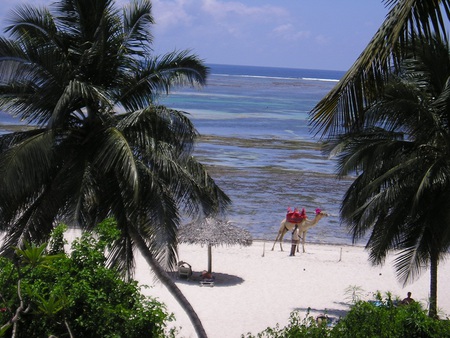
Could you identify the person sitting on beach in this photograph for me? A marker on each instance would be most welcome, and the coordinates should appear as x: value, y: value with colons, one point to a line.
x: 408, y: 299
x: 322, y: 319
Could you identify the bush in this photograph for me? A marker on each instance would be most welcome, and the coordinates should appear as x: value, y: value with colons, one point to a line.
x: 385, y: 319
x: 76, y: 294
x: 380, y: 318
x: 297, y: 327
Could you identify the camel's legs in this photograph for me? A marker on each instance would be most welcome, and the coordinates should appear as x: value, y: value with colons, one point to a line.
x: 276, y: 239
x: 303, y: 241
x: 280, y: 236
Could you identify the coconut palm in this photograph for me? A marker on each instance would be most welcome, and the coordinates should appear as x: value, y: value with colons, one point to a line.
x: 401, y: 153
x: 82, y: 74
x: 343, y: 107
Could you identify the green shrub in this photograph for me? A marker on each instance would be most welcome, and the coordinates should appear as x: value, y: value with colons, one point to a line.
x: 385, y: 319
x: 381, y: 318
x: 76, y: 294
x: 297, y: 327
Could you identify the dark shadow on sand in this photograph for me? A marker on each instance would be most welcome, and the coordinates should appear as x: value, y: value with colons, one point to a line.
x: 330, y: 312
x: 220, y: 279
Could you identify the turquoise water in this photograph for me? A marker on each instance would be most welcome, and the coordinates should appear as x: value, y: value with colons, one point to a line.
x: 258, y: 146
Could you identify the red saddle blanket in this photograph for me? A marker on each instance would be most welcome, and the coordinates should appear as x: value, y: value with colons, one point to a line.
x: 294, y: 217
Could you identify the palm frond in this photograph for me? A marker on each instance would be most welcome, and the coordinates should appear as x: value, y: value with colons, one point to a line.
x: 344, y: 105
x: 28, y: 21
x: 409, y: 264
x: 157, y: 76
x: 72, y: 98
x: 24, y: 166
x: 115, y: 155
x: 137, y: 19
x: 33, y: 218
x: 148, y: 127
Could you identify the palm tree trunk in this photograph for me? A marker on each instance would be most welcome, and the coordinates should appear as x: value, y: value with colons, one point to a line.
x: 434, y: 261
x: 164, y: 277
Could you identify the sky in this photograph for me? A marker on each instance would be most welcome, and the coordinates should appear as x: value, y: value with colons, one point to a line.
x: 311, y: 34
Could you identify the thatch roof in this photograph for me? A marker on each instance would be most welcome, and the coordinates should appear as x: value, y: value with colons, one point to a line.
x: 214, y: 232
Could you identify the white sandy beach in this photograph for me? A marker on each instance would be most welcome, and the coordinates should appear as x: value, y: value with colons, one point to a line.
x: 256, y: 287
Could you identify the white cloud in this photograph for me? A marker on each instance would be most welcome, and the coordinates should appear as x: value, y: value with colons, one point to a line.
x: 214, y: 19
x: 259, y: 31
x: 288, y: 32
x: 322, y: 40
x: 170, y: 14
x: 186, y: 12
x: 222, y: 9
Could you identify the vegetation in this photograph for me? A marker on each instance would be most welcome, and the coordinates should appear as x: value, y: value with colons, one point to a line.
x: 387, y: 121
x: 408, y: 21
x: 297, y: 327
x: 370, y: 319
x: 47, y: 292
x: 381, y: 318
x: 400, y: 153
x: 82, y: 73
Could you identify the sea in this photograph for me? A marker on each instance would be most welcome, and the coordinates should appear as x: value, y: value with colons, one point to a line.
x: 257, y: 144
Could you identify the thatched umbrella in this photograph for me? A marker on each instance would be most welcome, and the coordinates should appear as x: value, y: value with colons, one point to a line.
x: 213, y: 232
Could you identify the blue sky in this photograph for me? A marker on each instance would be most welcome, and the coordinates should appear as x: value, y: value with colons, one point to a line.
x: 314, y: 34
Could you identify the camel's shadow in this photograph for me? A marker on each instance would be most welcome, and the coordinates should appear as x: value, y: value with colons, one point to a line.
x: 220, y: 279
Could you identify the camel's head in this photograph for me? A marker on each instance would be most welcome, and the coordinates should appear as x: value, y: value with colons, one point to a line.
x: 320, y: 213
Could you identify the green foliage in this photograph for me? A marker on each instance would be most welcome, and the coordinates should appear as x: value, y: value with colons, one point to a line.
x: 57, y: 240
x: 83, y: 76
x: 384, y: 319
x: 381, y: 318
x: 99, y: 144
x: 354, y: 293
x: 297, y: 327
x: 342, y: 108
x: 77, y: 293
x: 399, y: 153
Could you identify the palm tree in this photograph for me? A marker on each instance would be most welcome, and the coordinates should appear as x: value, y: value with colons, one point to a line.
x: 402, y: 191
x: 82, y: 74
x: 343, y: 107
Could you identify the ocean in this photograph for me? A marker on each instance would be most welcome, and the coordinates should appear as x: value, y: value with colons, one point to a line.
x: 258, y: 146
x: 256, y: 143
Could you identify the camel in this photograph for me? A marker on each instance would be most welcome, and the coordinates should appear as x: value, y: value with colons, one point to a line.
x: 304, y: 226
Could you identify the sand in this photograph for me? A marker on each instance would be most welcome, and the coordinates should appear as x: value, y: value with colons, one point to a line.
x: 256, y: 288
